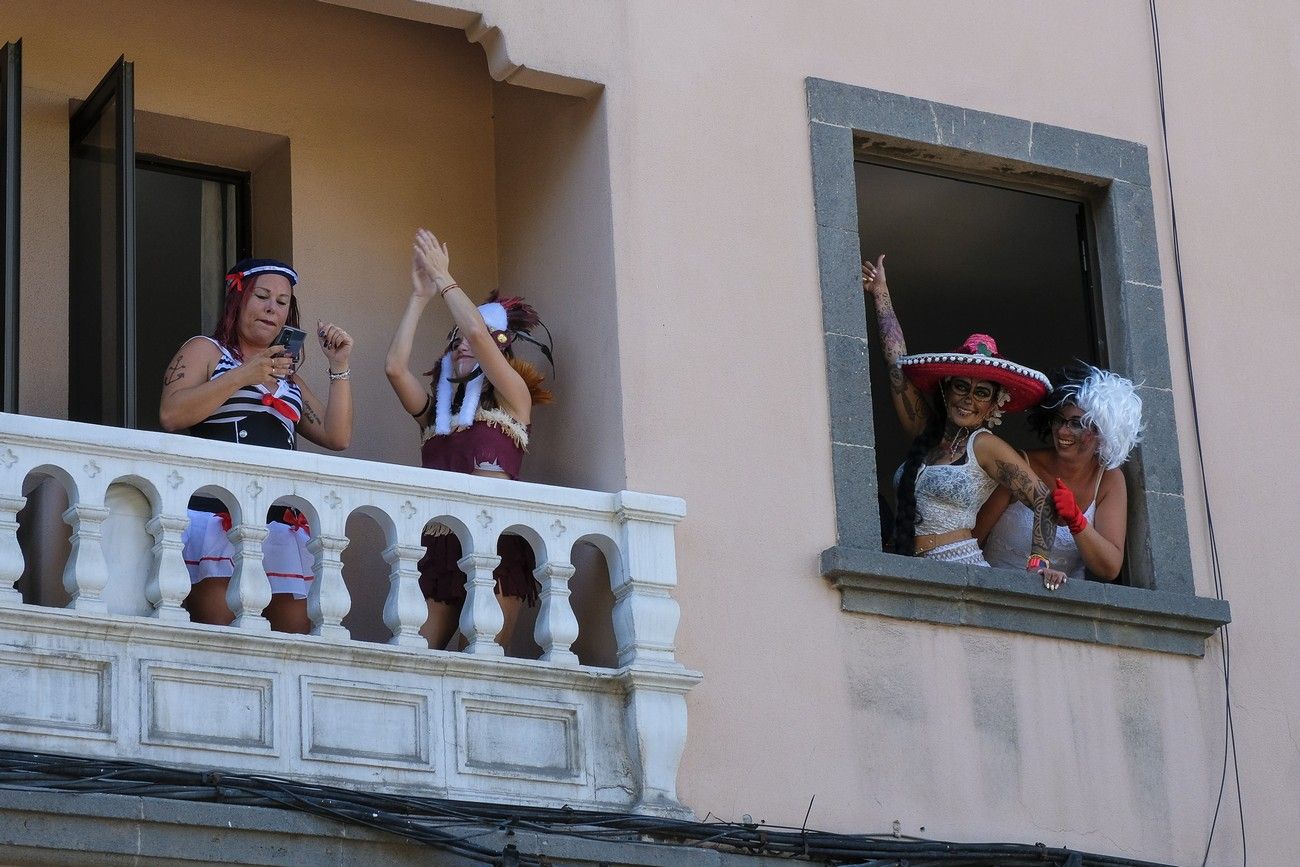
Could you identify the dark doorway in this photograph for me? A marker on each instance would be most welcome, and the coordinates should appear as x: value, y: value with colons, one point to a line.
x: 191, y: 225
x: 964, y: 257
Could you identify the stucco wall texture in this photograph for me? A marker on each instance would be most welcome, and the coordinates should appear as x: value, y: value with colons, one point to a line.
x: 716, y: 321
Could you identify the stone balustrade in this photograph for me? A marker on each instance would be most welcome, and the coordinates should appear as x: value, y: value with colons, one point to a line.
x: 98, y: 677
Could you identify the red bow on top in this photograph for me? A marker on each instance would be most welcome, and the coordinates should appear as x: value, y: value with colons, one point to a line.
x: 283, y: 407
x: 297, y: 520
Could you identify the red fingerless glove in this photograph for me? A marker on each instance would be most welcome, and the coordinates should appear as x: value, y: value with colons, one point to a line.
x: 1068, y: 509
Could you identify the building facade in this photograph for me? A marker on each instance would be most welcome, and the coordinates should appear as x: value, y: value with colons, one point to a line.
x: 685, y: 192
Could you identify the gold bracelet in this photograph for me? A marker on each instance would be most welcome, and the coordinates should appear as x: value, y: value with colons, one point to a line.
x: 442, y: 293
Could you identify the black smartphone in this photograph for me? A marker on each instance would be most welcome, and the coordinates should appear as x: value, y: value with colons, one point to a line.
x: 292, y: 339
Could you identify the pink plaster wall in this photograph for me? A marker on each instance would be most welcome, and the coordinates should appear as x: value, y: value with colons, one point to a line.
x: 972, y: 734
x: 978, y: 735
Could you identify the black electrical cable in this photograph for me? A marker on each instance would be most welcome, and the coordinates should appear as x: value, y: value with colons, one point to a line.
x: 456, y: 825
x: 1229, y: 733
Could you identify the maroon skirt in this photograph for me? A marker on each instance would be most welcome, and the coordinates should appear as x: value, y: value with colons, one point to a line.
x: 442, y: 581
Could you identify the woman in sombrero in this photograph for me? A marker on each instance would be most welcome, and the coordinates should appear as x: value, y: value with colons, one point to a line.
x: 947, y: 401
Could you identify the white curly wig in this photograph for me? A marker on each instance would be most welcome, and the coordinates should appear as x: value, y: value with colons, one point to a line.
x: 1111, y: 405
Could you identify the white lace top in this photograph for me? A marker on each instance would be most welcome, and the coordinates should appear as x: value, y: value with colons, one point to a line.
x: 1008, y: 542
x: 949, y: 496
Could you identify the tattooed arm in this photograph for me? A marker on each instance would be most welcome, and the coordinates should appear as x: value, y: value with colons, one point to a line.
x: 190, y: 394
x: 1011, y: 471
x: 328, y: 425
x: 911, y: 406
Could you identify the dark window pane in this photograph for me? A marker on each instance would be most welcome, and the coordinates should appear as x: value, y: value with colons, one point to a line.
x: 11, y: 88
x: 102, y: 251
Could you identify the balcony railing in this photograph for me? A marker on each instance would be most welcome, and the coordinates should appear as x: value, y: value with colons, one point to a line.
x: 89, y: 679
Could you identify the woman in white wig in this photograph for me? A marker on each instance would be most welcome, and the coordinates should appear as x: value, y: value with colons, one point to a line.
x: 1092, y: 419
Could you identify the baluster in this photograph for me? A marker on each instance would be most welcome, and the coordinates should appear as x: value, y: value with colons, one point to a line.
x: 645, y: 626
x: 405, y: 609
x: 481, y: 618
x: 328, y: 600
x: 557, y: 627
x: 86, y: 574
x: 169, y: 580
x: 645, y: 613
x: 250, y: 591
x: 11, y: 553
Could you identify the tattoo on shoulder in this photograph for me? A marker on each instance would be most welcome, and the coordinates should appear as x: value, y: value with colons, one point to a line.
x: 310, y: 414
x: 176, y: 372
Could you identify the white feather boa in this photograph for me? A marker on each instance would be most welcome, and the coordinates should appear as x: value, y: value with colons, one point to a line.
x: 496, y: 319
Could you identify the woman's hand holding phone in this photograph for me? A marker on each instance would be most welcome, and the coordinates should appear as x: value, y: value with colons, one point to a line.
x: 267, y: 367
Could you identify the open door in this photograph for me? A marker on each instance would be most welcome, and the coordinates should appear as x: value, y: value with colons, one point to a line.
x: 11, y: 91
x: 101, y: 278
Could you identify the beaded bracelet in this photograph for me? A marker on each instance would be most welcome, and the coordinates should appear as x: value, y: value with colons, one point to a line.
x: 1036, y: 562
x: 342, y: 374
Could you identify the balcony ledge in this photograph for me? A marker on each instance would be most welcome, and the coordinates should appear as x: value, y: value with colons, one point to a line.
x: 122, y: 672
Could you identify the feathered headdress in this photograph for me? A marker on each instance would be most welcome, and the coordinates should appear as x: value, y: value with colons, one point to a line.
x: 507, y: 320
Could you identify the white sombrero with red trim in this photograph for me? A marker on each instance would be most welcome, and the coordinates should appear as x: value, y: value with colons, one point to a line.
x: 978, y: 358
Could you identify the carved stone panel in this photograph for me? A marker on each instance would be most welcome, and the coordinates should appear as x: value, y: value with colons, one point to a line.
x: 345, y: 721
x: 43, y: 691
x: 520, y: 739
x: 207, y: 708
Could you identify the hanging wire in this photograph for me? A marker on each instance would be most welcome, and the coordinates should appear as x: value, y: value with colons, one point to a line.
x: 1229, y: 733
x: 465, y: 827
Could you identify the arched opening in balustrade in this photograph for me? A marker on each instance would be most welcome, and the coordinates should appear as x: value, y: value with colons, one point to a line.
x: 212, y: 499
x: 522, y: 549
x: 44, y: 538
x: 216, y: 499
x: 128, y: 544
x: 445, y: 539
x: 594, y: 559
x: 366, y: 573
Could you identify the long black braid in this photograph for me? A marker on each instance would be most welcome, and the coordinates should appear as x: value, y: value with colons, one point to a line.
x: 905, y: 518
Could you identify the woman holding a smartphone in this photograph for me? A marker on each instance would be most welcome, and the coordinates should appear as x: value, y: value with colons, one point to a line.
x: 241, y: 385
x: 475, y: 420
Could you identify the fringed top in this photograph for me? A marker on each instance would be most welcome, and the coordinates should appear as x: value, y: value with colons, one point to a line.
x: 495, y: 442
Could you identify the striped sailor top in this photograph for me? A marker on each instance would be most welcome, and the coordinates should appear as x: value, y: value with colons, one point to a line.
x: 253, y: 415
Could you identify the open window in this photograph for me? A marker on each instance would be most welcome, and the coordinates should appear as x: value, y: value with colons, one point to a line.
x: 151, y: 238
x: 101, y: 232
x: 1109, y: 292
x: 967, y: 255
x: 11, y: 89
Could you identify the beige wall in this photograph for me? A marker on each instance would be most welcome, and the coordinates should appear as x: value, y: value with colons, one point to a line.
x: 554, y: 237
x: 389, y: 124
x: 971, y: 734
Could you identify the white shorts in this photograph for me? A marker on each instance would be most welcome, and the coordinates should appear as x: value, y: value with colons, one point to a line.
x: 967, y: 551
x: 209, y: 554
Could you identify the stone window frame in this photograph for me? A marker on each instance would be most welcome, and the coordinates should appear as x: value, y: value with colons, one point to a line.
x: 1112, y: 177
